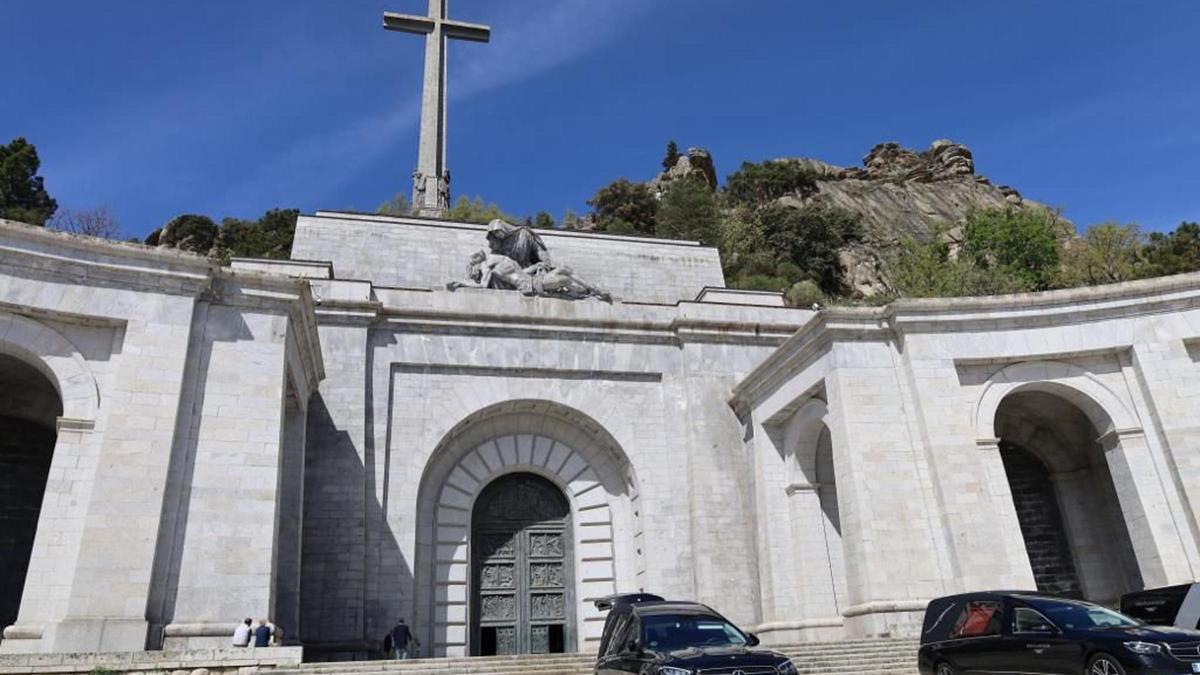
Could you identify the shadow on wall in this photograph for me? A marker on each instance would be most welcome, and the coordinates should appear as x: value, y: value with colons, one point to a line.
x: 353, y: 572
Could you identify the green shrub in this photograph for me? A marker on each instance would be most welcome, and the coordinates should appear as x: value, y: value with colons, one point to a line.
x: 1019, y: 242
x: 633, y: 205
x: 926, y: 270
x: 1174, y: 252
x: 760, y: 184
x: 810, y: 237
x: 689, y: 210
x: 805, y: 294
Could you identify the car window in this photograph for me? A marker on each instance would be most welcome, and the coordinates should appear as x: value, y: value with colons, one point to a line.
x: 977, y: 619
x: 671, y: 632
x: 616, y: 639
x: 1027, y: 620
x: 1082, y: 616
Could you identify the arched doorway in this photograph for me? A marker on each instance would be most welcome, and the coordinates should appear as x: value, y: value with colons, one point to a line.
x: 818, y: 556
x: 1066, y: 503
x: 29, y: 409
x: 831, y: 520
x: 521, y: 576
x: 581, y: 459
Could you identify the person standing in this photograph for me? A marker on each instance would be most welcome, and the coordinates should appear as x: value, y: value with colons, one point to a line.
x: 241, y: 635
x: 401, y: 638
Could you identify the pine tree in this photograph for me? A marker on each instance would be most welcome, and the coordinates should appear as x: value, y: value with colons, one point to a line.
x: 672, y: 156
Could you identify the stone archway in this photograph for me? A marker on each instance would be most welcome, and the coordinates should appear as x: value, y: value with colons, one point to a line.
x: 816, y: 520
x: 558, y: 444
x: 1066, y: 502
x: 29, y: 409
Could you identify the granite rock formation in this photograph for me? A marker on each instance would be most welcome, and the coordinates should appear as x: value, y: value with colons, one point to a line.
x: 695, y: 162
x: 902, y: 193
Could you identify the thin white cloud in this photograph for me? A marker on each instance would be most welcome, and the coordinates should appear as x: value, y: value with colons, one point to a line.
x: 531, y: 38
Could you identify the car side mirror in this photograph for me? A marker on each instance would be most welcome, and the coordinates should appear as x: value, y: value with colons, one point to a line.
x: 752, y: 640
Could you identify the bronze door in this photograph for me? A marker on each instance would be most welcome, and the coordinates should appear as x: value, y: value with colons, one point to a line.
x: 521, y: 597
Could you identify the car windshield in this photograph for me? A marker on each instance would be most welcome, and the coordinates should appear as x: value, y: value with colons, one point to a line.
x: 670, y: 632
x: 1079, y: 616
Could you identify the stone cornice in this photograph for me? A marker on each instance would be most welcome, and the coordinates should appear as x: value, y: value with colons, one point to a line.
x: 87, y: 261
x: 807, y: 344
x: 908, y: 316
x: 377, y: 219
x: 1090, y: 303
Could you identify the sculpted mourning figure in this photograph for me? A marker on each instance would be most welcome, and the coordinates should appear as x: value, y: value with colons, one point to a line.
x: 518, y: 242
x: 518, y: 261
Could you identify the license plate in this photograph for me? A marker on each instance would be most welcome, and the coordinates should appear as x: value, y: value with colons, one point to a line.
x: 1196, y: 667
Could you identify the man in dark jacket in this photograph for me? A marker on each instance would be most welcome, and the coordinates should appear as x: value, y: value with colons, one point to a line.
x: 400, y: 638
x: 262, y: 634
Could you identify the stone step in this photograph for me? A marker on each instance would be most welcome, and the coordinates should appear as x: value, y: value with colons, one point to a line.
x: 846, y: 666
x: 842, y: 657
x: 898, y: 656
x: 899, y: 659
x: 848, y: 649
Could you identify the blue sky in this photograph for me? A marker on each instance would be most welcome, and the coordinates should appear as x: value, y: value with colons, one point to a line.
x: 231, y: 107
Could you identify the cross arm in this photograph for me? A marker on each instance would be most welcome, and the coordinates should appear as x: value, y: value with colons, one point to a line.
x: 460, y: 30
x: 408, y: 23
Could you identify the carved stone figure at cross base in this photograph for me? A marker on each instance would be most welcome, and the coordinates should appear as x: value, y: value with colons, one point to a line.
x: 418, y: 197
x: 518, y: 261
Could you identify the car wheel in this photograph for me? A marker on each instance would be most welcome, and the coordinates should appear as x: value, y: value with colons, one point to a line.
x: 944, y: 668
x: 1103, y: 664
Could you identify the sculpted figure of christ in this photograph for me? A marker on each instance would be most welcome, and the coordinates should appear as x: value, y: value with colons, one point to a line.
x: 493, y: 270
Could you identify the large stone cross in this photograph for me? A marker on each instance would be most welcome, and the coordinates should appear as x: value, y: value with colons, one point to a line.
x: 431, y: 179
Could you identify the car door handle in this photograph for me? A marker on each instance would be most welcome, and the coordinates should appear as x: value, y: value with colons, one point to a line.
x: 1037, y: 647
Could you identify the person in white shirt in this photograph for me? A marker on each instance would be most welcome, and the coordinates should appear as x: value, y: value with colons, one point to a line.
x: 241, y: 635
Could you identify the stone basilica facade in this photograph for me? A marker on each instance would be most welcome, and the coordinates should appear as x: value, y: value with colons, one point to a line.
x: 339, y: 440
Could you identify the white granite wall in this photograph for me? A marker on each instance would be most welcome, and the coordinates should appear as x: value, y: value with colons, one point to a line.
x: 914, y: 391
x: 416, y: 253
x: 118, y: 331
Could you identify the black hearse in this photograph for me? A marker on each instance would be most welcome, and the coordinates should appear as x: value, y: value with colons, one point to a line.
x: 647, y: 635
x: 1027, y: 632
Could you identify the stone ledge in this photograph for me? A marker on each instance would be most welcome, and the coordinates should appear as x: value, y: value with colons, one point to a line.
x: 215, y: 661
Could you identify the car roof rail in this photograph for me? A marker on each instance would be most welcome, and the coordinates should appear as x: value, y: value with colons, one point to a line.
x: 609, y: 601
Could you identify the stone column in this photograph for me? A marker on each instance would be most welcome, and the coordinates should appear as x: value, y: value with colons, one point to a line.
x: 822, y: 588
x: 291, y: 520
x: 889, y: 531
x: 56, y: 546
x: 1005, y: 546
x: 227, y: 566
x: 1083, y: 518
x: 1152, y: 527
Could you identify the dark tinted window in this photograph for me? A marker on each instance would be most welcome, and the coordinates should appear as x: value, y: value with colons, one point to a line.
x: 669, y: 632
x: 616, y: 637
x: 1027, y: 620
x: 977, y: 619
x: 1158, y: 607
x: 1081, y: 616
x: 939, y: 619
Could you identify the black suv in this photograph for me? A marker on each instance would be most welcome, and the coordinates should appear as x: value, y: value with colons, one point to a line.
x: 647, y: 635
x: 1025, y: 632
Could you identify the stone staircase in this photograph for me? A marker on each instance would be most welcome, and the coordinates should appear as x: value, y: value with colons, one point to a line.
x: 862, y: 657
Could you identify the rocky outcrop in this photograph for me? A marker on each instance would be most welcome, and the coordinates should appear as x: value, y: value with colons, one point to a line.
x: 901, y: 193
x: 696, y: 162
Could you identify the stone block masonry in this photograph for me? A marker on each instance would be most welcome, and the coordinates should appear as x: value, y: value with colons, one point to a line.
x: 425, y: 254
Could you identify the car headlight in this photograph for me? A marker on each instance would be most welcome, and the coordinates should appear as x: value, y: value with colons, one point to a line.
x: 668, y: 670
x: 786, y: 668
x: 1143, y: 648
